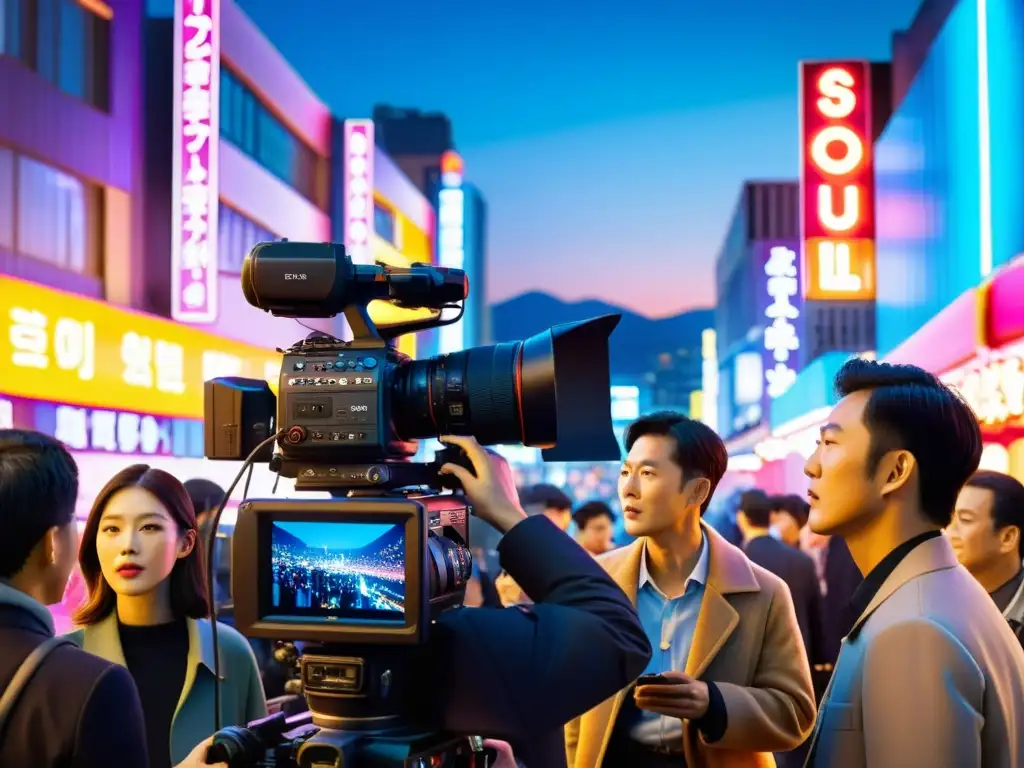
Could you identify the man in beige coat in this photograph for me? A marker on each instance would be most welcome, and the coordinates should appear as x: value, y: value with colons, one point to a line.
x: 735, y: 682
x: 930, y: 675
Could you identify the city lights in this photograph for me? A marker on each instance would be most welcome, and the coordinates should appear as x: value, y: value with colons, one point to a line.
x: 837, y: 184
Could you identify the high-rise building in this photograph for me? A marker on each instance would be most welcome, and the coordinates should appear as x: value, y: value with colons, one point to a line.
x: 462, y: 244
x: 415, y: 139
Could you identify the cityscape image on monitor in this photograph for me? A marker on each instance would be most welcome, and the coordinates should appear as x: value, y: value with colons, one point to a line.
x: 338, y: 570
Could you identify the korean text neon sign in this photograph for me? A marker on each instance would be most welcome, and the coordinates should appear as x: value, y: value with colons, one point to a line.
x: 780, y: 336
x: 837, y: 181
x: 358, y: 189
x: 994, y: 388
x: 195, y: 196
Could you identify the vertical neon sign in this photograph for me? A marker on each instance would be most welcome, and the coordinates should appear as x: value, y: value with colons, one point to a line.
x: 196, y: 135
x: 358, y: 189
x: 837, y: 181
x: 451, y: 237
x: 781, y: 339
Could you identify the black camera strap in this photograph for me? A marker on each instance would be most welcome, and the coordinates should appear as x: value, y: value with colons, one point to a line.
x: 24, y: 674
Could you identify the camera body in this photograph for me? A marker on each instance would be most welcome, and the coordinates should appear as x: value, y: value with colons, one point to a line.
x: 364, y: 574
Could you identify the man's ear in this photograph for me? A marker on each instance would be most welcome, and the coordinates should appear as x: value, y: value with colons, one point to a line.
x: 700, y: 491
x: 897, y: 467
x: 1009, y: 539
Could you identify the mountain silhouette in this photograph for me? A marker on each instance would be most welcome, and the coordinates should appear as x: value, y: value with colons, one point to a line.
x: 634, y: 345
x: 394, y: 535
x: 281, y: 537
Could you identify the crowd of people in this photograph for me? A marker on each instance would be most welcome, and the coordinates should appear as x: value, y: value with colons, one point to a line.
x: 874, y: 622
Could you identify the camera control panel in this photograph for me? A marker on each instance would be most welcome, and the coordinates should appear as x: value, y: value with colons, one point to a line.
x: 331, y: 401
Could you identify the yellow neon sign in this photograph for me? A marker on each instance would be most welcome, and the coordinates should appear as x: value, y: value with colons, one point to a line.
x: 65, y: 348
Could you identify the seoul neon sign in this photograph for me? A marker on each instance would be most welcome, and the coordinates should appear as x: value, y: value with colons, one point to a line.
x: 837, y: 181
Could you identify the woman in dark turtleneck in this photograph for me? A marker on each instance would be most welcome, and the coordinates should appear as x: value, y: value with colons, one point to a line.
x: 147, y: 609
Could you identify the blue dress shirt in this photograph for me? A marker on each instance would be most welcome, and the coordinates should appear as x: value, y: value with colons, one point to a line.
x: 669, y: 624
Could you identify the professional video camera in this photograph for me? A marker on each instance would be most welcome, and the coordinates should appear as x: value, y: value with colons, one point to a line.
x: 364, y: 573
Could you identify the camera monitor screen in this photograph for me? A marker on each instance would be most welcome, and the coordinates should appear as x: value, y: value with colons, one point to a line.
x: 338, y: 570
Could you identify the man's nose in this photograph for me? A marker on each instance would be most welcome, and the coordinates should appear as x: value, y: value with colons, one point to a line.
x: 629, y: 487
x: 812, y: 468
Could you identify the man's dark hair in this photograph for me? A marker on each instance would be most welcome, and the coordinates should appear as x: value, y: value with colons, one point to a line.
x: 910, y: 409
x: 38, y: 490
x: 590, y: 511
x: 797, y: 507
x: 698, y: 450
x: 1007, y: 501
x: 546, y: 495
x: 757, y: 507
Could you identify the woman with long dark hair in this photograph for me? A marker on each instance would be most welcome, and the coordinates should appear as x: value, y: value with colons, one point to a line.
x: 148, y: 609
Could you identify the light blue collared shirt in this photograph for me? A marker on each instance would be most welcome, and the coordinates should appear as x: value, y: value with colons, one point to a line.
x: 669, y: 624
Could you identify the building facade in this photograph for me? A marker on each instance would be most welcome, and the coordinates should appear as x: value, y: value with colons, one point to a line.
x: 89, y: 352
x: 269, y: 174
x: 71, y: 146
x: 953, y: 161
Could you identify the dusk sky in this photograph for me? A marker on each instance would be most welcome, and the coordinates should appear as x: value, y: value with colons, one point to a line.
x: 609, y: 139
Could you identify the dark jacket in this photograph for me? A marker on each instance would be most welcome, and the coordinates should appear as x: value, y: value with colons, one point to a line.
x: 77, y: 711
x: 521, y: 673
x: 798, y: 571
x: 842, y: 577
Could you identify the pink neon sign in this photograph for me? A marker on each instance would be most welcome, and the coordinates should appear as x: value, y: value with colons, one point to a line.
x: 358, y: 189
x: 195, y: 195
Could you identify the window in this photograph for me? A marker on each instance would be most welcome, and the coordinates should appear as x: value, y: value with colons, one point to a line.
x: 11, y: 27
x: 7, y: 198
x: 236, y: 235
x: 57, y: 216
x: 62, y: 41
x: 249, y: 125
x: 384, y: 223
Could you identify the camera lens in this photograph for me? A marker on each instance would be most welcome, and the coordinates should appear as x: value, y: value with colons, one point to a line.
x: 450, y: 564
x: 530, y: 392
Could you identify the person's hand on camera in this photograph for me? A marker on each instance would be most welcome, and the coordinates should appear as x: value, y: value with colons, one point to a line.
x: 490, y: 487
x: 197, y: 757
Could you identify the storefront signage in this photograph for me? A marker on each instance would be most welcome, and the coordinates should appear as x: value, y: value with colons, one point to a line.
x: 105, y: 430
x: 358, y: 189
x: 195, y: 195
x: 451, y: 237
x: 837, y: 181
x: 781, y: 339
x: 63, y: 348
x: 994, y: 388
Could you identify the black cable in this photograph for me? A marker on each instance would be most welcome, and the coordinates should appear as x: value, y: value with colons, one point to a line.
x: 210, y: 581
